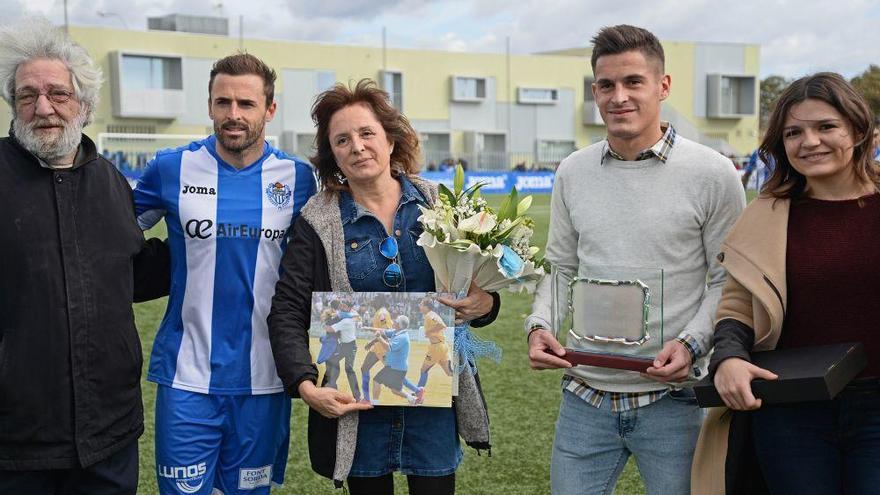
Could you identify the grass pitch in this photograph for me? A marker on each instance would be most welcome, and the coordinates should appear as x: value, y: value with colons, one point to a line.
x: 522, y: 403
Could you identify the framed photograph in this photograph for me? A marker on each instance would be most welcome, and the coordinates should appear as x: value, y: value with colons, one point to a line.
x: 385, y: 348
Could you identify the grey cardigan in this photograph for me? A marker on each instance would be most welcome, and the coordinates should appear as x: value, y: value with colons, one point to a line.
x: 322, y: 213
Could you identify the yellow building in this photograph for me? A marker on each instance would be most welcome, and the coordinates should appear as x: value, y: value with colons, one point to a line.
x: 492, y: 110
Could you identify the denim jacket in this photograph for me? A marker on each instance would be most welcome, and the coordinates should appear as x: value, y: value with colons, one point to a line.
x: 364, y: 232
x: 315, y: 260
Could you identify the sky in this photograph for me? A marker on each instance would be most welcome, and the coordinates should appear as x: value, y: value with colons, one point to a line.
x: 796, y: 37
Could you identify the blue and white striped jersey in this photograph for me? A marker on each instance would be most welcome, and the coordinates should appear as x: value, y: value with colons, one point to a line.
x: 227, y: 230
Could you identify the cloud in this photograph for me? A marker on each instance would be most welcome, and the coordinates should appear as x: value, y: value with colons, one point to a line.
x: 796, y: 37
x: 354, y: 9
x: 341, y: 9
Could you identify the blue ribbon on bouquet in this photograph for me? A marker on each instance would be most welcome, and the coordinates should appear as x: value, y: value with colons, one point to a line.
x: 469, y: 347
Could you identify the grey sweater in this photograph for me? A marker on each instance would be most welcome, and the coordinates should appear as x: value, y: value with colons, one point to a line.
x: 646, y: 213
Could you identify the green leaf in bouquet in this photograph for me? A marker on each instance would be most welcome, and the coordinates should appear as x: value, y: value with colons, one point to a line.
x: 508, y: 207
x: 458, y: 182
x: 473, y: 192
x: 542, y: 263
x: 509, y: 230
x: 524, y: 205
x: 445, y: 192
x: 461, y: 244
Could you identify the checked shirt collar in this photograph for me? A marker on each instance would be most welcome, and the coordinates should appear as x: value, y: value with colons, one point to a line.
x: 661, y: 149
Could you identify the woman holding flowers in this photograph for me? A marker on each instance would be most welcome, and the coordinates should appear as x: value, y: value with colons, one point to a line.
x: 359, y: 234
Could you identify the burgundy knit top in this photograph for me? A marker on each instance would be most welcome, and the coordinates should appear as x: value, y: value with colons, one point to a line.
x: 833, y: 275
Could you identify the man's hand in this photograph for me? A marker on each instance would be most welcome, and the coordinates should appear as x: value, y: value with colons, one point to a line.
x: 733, y: 380
x: 544, y: 349
x: 329, y: 402
x: 477, y: 303
x: 672, y: 363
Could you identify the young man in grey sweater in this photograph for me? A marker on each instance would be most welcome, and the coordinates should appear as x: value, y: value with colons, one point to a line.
x: 644, y: 197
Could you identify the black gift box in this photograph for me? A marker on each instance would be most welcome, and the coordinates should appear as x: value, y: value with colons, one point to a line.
x: 805, y: 374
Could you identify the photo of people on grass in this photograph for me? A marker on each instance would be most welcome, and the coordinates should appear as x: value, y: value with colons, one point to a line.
x: 385, y: 348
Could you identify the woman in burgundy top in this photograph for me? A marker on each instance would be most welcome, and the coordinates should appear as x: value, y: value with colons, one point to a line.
x: 804, y: 263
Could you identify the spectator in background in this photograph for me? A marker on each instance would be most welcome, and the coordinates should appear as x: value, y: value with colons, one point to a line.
x: 734, y: 160
x: 876, y: 139
x: 759, y: 168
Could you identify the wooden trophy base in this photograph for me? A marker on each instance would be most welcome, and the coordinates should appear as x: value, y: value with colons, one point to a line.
x: 616, y: 361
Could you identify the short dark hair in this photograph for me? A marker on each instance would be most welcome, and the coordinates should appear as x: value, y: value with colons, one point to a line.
x: 833, y: 89
x: 242, y: 64
x: 404, y: 157
x: 612, y: 40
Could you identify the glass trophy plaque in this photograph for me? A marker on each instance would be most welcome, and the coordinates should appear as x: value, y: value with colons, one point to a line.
x: 611, y: 317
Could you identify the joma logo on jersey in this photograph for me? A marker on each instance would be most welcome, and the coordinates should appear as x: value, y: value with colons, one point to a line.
x: 210, y: 191
x: 189, y: 479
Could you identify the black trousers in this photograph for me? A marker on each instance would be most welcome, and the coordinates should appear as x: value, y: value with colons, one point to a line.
x: 346, y: 351
x: 115, y: 475
x: 418, y: 485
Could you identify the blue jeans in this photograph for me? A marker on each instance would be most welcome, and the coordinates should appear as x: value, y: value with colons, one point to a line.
x: 413, y: 440
x: 593, y: 444
x: 822, y: 447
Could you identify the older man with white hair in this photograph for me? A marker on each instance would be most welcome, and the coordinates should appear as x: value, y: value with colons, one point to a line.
x: 72, y: 259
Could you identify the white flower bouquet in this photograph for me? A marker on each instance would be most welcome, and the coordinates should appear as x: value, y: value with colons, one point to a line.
x: 465, y: 239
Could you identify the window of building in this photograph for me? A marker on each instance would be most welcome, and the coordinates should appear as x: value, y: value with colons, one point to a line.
x: 731, y: 96
x: 325, y: 80
x: 554, y: 150
x: 494, y: 142
x: 140, y: 72
x: 590, y: 114
x: 305, y: 145
x: 468, y: 88
x: 435, y: 148
x: 435, y: 141
x: 588, y: 89
x: 392, y: 83
x: 730, y: 89
x: 546, y: 96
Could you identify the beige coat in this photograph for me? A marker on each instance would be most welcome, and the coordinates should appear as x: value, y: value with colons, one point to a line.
x: 755, y: 294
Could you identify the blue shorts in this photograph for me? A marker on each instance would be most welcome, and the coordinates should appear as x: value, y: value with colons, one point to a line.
x: 232, y: 443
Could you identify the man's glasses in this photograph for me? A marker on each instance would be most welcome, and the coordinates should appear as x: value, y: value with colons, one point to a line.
x: 28, y: 98
x: 393, y: 274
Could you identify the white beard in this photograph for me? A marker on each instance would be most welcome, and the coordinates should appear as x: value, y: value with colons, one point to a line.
x: 51, y: 149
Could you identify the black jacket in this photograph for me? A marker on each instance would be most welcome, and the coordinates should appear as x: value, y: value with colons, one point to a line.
x: 305, y: 270
x: 70, y: 356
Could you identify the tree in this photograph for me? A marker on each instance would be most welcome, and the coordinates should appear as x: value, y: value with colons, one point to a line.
x: 868, y: 84
x: 771, y: 88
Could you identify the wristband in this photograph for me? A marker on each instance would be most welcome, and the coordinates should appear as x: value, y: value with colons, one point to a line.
x: 535, y: 326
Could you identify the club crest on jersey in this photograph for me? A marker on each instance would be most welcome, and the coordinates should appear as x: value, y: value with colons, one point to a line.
x: 279, y: 194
